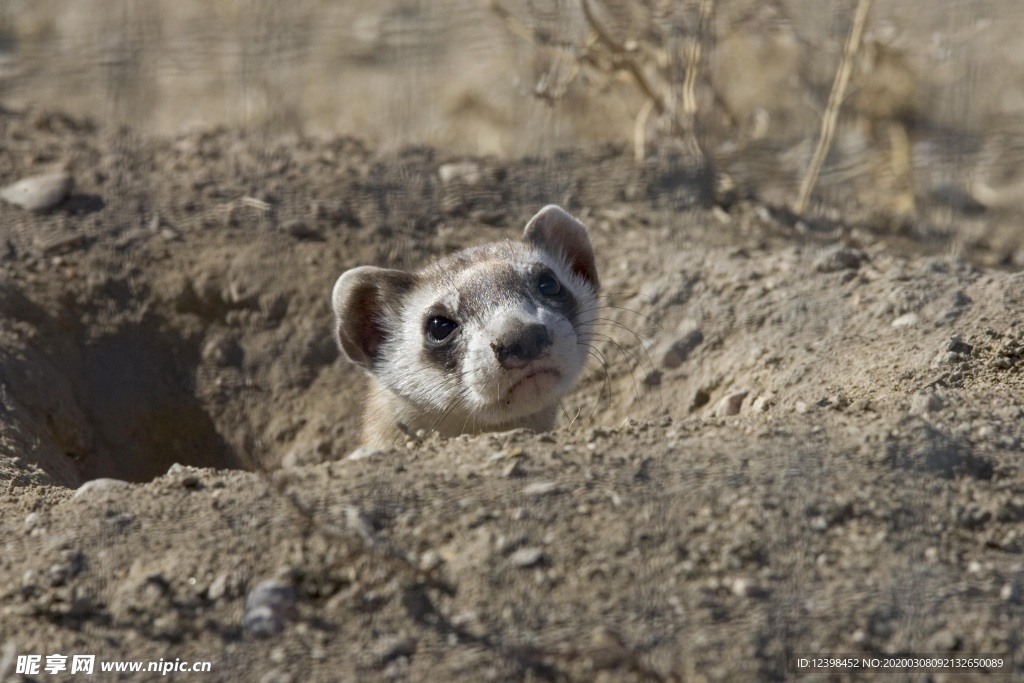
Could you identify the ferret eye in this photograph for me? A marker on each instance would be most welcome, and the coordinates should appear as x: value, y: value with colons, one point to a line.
x: 439, y: 328
x: 549, y: 285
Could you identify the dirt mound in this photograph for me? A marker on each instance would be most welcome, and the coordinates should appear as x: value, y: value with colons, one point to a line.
x: 802, y: 438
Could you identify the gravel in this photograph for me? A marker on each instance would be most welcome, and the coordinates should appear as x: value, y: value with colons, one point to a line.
x: 268, y: 607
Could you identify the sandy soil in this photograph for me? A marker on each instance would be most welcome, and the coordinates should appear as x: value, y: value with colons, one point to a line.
x: 804, y: 438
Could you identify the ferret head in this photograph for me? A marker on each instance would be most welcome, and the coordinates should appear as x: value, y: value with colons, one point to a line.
x: 484, y: 337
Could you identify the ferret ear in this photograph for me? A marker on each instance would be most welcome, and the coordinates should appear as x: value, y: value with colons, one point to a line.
x: 557, y: 232
x: 364, y: 299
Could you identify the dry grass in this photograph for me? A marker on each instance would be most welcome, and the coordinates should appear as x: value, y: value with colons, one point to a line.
x: 663, y: 52
x: 666, y: 71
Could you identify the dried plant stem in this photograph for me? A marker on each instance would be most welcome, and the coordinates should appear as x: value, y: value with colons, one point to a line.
x: 835, y: 101
x: 706, y: 11
x: 640, y: 130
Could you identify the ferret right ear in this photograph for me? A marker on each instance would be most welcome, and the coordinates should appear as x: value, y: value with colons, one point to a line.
x: 364, y: 299
x: 557, y: 232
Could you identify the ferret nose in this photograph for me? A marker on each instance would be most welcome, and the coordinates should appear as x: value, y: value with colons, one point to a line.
x: 520, y: 345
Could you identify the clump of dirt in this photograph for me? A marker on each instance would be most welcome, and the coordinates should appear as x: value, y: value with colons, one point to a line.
x: 801, y: 438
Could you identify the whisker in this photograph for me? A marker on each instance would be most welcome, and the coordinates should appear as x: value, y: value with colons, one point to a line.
x: 574, y: 417
x: 622, y: 308
x: 632, y: 357
x: 447, y: 411
x: 469, y: 416
x: 621, y: 326
x: 628, y: 357
x: 615, y: 323
x: 602, y: 375
x: 599, y: 356
x: 565, y: 413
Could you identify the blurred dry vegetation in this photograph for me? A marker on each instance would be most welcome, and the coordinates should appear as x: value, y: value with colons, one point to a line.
x: 931, y: 125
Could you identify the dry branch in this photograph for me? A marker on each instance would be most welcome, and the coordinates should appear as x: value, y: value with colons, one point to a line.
x: 835, y: 102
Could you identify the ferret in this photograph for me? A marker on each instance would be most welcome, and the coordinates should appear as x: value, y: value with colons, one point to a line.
x: 486, y: 339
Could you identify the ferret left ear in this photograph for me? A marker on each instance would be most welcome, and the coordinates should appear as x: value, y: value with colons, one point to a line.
x: 365, y: 301
x: 557, y: 232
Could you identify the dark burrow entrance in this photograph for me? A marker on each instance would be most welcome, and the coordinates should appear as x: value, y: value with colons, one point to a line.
x: 87, y: 400
x: 138, y: 393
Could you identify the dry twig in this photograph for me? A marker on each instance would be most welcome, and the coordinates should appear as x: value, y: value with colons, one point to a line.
x: 835, y: 102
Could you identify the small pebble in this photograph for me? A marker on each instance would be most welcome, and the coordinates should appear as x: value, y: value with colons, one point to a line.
x: 513, y: 469
x: 29, y: 582
x: 57, y: 574
x: 467, y: 172
x: 38, y: 192
x: 956, y: 345
x: 746, y: 588
x: 33, y: 520
x: 907, y: 320
x: 947, y: 358
x: 730, y: 404
x: 860, y: 405
x: 839, y: 258
x: 356, y: 520
x: 540, y: 488
x: 943, y: 640
x: 97, y: 485
x: 390, y: 648
x: 430, y: 560
x: 268, y: 606
x: 526, y: 557
x: 364, y: 452
x: 218, y: 588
